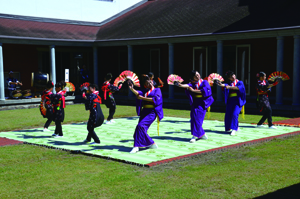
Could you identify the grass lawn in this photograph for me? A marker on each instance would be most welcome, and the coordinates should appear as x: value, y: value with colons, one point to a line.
x: 28, y: 171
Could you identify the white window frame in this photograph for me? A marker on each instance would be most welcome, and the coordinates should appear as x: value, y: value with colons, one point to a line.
x: 206, y: 57
x: 151, y: 50
x: 236, y: 61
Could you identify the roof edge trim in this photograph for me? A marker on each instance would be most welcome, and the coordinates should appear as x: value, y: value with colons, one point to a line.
x: 202, y: 34
x: 44, y: 39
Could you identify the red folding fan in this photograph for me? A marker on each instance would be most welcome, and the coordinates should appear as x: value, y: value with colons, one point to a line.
x: 160, y: 82
x: 118, y: 80
x: 85, y: 86
x: 214, y: 76
x: 278, y: 74
x: 131, y: 76
x: 172, y: 78
x: 70, y: 87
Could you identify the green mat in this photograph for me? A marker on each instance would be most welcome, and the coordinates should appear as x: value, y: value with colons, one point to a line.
x: 117, y: 141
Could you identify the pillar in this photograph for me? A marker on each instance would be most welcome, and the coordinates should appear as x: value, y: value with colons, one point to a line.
x: 52, y: 66
x: 95, y: 66
x: 130, y: 65
x: 219, y: 67
x: 171, y: 68
x: 279, y: 67
x: 2, y: 90
x: 296, y: 71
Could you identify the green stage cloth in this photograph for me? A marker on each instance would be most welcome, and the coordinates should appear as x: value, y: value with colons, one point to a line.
x: 117, y: 139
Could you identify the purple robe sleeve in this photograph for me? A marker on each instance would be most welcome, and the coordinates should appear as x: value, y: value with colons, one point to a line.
x: 139, y: 104
x: 205, y: 89
x: 158, y: 103
x: 206, y: 94
x: 241, y: 93
x: 189, y: 94
x: 226, y: 93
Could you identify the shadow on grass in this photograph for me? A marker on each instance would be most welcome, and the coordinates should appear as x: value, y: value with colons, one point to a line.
x: 110, y: 147
x: 29, y: 130
x: 60, y: 143
x: 287, y: 192
x: 82, y: 123
x: 217, y: 132
x: 33, y: 137
x: 131, y: 118
x: 174, y: 121
x: 126, y: 141
x: 180, y: 139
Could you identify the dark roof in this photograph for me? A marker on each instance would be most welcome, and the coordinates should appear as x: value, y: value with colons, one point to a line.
x: 24, y: 28
x: 168, y: 18
x: 163, y: 18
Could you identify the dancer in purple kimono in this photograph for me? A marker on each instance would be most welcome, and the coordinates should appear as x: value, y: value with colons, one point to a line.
x: 200, y: 96
x: 149, y: 107
x: 235, y: 99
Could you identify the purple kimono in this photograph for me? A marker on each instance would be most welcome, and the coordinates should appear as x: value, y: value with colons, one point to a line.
x: 147, y: 117
x: 234, y: 100
x: 199, y: 103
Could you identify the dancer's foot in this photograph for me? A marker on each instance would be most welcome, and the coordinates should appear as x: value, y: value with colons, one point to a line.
x: 45, y: 129
x: 108, y: 122
x: 134, y: 150
x: 204, y: 137
x: 153, y: 146
x: 260, y: 126
x: 94, y: 143
x: 58, y: 136
x: 54, y: 134
x: 112, y: 121
x: 86, y: 141
x: 272, y: 127
x: 233, y: 132
x: 193, y: 139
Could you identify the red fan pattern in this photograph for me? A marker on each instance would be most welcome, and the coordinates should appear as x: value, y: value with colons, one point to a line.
x: 85, y: 86
x: 214, y: 76
x: 172, y: 78
x: 160, y: 82
x: 43, y: 108
x: 70, y: 87
x: 118, y: 80
x: 130, y: 75
x: 278, y: 74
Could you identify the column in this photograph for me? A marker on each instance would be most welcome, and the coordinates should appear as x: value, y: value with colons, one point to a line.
x: 296, y: 71
x: 95, y: 58
x: 130, y: 65
x: 52, y: 66
x: 279, y: 67
x: 2, y: 91
x: 219, y: 67
x: 171, y: 68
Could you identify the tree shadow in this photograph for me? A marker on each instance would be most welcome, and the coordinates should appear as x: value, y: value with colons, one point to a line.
x: 287, y: 192
x: 177, y: 132
x: 180, y: 139
x: 112, y: 147
x: 174, y: 121
x: 33, y: 137
x: 217, y: 132
x: 123, y: 141
x: 131, y: 118
x: 60, y: 143
x: 30, y: 130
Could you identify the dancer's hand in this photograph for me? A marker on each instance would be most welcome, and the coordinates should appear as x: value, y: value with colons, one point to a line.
x: 139, y: 97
